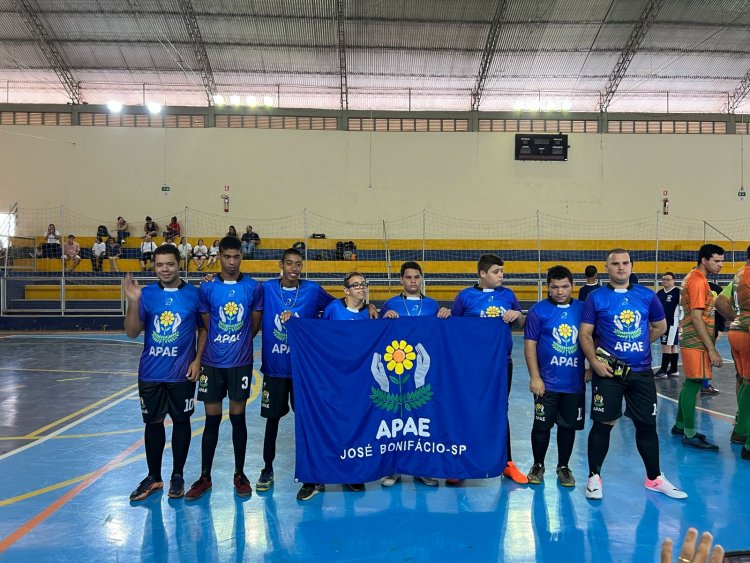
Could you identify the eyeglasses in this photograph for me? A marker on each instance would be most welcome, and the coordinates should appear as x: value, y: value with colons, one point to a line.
x: 357, y: 285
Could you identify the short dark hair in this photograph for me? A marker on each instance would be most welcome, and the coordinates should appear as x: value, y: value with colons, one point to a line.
x: 486, y: 261
x: 708, y: 250
x: 410, y: 266
x: 559, y: 273
x: 230, y: 243
x: 350, y: 275
x: 289, y: 252
x: 618, y: 251
x: 148, y: 218
x: 590, y: 271
x: 669, y: 274
x: 168, y: 249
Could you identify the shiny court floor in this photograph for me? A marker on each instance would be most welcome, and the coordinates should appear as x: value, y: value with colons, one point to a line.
x: 71, y: 452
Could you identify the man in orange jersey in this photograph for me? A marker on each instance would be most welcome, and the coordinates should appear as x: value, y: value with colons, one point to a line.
x: 698, y: 350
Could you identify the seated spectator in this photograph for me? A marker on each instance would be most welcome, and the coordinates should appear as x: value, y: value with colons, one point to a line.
x: 71, y: 253
x: 123, y: 230
x: 150, y: 228
x: 98, y: 252
x: 232, y: 232
x: 168, y: 240
x: 186, y: 250
x: 213, y: 253
x: 113, y: 253
x: 173, y: 228
x: 50, y: 248
x: 148, y: 247
x: 200, y: 254
x: 250, y: 239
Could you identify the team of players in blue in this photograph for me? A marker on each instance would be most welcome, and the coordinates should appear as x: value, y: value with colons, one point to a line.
x: 205, y: 336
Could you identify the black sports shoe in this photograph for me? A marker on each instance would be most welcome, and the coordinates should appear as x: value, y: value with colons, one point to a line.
x: 356, y: 487
x: 661, y: 374
x: 176, y: 487
x: 265, y: 481
x: 309, y: 490
x: 146, y: 487
x: 699, y: 443
x: 681, y: 432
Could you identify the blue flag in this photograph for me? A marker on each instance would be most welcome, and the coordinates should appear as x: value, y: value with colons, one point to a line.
x: 425, y: 397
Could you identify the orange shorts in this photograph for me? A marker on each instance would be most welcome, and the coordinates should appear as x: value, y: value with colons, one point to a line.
x: 696, y: 364
x: 739, y: 340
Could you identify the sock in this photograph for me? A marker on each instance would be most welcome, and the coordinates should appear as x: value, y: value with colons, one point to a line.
x: 706, y: 384
x: 208, y: 443
x: 665, y: 358
x: 686, y: 404
x: 510, y: 381
x: 598, y: 446
x: 539, y: 444
x: 648, y: 446
x: 239, y: 440
x: 269, y: 442
x: 743, y: 418
x: 180, y: 445
x: 679, y: 422
x: 566, y: 437
x: 673, y: 363
x: 154, y: 438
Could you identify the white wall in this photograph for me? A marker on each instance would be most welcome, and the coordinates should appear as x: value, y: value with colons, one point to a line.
x: 105, y: 172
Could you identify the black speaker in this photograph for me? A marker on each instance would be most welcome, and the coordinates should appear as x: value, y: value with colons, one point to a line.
x: 537, y: 146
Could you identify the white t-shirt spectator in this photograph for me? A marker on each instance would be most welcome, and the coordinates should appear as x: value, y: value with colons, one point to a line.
x: 200, y: 250
x: 99, y: 249
x: 148, y: 247
x: 185, y: 250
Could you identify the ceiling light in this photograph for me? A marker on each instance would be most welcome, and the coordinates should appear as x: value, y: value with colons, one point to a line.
x: 252, y: 101
x: 218, y: 99
x: 566, y: 105
x: 114, y: 107
x: 267, y: 101
x: 235, y: 100
x: 153, y: 107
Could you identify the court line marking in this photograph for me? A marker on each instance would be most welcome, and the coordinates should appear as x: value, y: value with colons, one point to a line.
x: 702, y: 409
x: 62, y: 484
x: 73, y: 379
x: 59, y: 431
x: 72, y: 371
x: 80, y: 411
x: 29, y: 525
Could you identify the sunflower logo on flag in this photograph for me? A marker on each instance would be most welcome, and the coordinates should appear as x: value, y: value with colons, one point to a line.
x: 401, y: 358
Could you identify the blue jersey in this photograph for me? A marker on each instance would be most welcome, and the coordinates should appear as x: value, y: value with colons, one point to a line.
x: 670, y: 302
x: 587, y: 290
x: 622, y: 319
x: 338, y: 311
x: 555, y: 330
x: 230, y: 305
x: 170, y: 318
x: 410, y: 306
x: 307, y: 300
x: 486, y: 303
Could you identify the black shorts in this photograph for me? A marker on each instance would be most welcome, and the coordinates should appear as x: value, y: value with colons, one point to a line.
x: 160, y: 398
x: 277, y: 395
x: 147, y: 256
x: 216, y: 383
x: 564, y: 409
x: 672, y: 336
x: 639, y: 391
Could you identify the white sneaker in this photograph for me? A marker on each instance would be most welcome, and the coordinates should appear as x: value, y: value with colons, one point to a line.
x: 662, y: 485
x: 430, y: 481
x: 594, y: 488
x: 390, y: 480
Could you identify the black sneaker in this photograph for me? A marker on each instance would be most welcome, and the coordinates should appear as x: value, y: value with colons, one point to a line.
x: 176, y: 487
x: 710, y: 390
x: 565, y: 476
x: 536, y: 474
x: 309, y: 490
x: 699, y: 443
x: 681, y: 432
x: 356, y: 487
x: 265, y: 481
x: 661, y: 374
x: 146, y: 487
